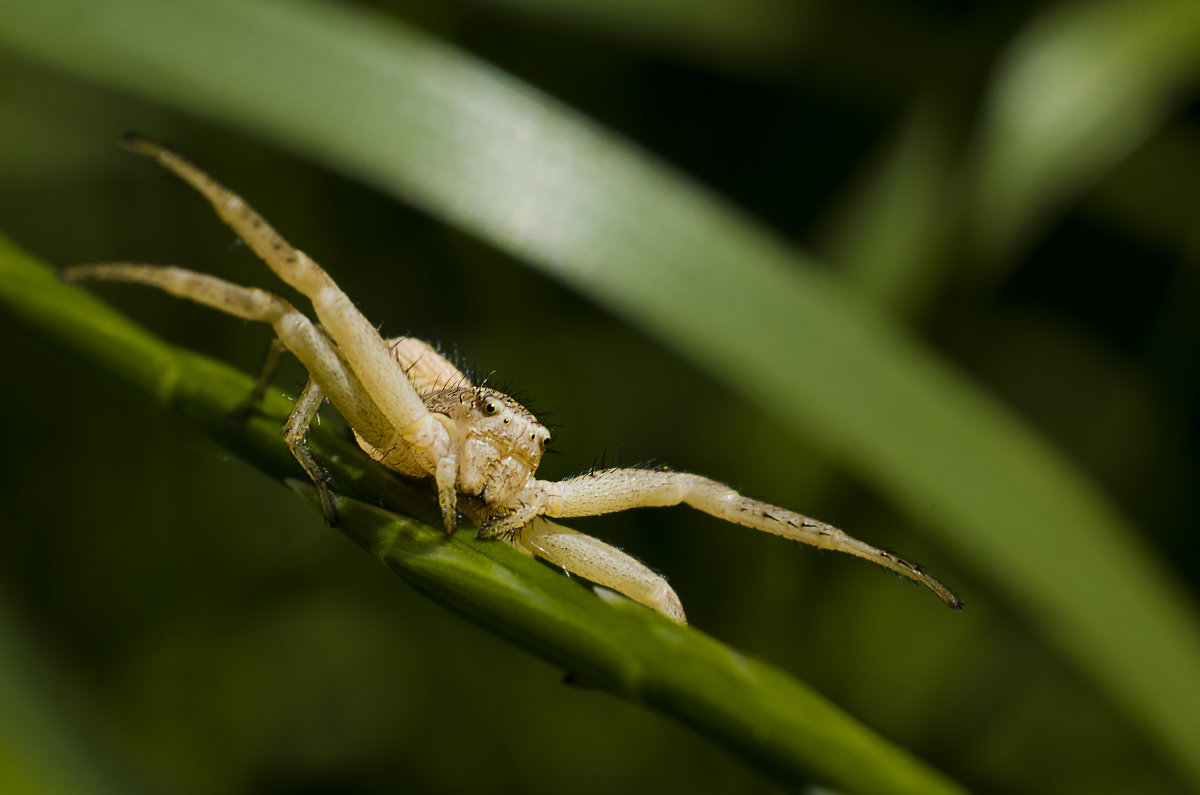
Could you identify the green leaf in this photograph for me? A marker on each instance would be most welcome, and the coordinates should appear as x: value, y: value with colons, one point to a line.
x: 892, y: 235
x: 1079, y: 89
x: 774, y: 722
x: 1083, y: 85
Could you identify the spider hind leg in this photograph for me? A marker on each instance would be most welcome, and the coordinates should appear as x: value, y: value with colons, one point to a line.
x: 603, y: 564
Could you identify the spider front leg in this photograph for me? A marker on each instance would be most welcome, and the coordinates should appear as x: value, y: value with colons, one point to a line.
x: 611, y: 490
x: 416, y: 432
x: 328, y: 374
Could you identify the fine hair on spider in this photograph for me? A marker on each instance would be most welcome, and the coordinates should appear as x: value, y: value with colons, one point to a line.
x: 413, y: 411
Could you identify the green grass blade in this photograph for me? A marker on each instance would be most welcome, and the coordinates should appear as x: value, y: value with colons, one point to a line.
x: 892, y: 234
x: 774, y: 722
x: 490, y: 155
x: 1079, y: 89
x: 1083, y: 85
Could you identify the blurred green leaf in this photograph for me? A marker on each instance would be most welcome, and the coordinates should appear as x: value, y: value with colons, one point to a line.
x: 1083, y: 85
x: 488, y: 154
x: 772, y: 721
x: 892, y: 235
x: 1078, y: 90
x: 46, y: 744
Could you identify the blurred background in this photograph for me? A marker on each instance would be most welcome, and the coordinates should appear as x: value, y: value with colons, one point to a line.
x: 172, y: 620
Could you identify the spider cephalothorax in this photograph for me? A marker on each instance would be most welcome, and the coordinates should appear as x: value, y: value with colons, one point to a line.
x: 500, y: 443
x: 417, y: 414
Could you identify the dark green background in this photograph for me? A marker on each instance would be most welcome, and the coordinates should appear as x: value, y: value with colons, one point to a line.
x: 200, y: 630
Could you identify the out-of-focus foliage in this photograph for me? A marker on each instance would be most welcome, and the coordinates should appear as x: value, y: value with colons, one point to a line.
x: 1009, y: 181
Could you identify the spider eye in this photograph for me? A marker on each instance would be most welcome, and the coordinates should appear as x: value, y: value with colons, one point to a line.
x: 489, y: 408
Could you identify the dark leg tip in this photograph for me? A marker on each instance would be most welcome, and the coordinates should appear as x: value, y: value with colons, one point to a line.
x: 329, y: 508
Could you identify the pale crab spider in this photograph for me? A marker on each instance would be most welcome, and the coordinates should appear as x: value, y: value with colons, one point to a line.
x: 415, y: 413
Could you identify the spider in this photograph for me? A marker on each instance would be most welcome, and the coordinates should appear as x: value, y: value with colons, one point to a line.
x: 414, y: 412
